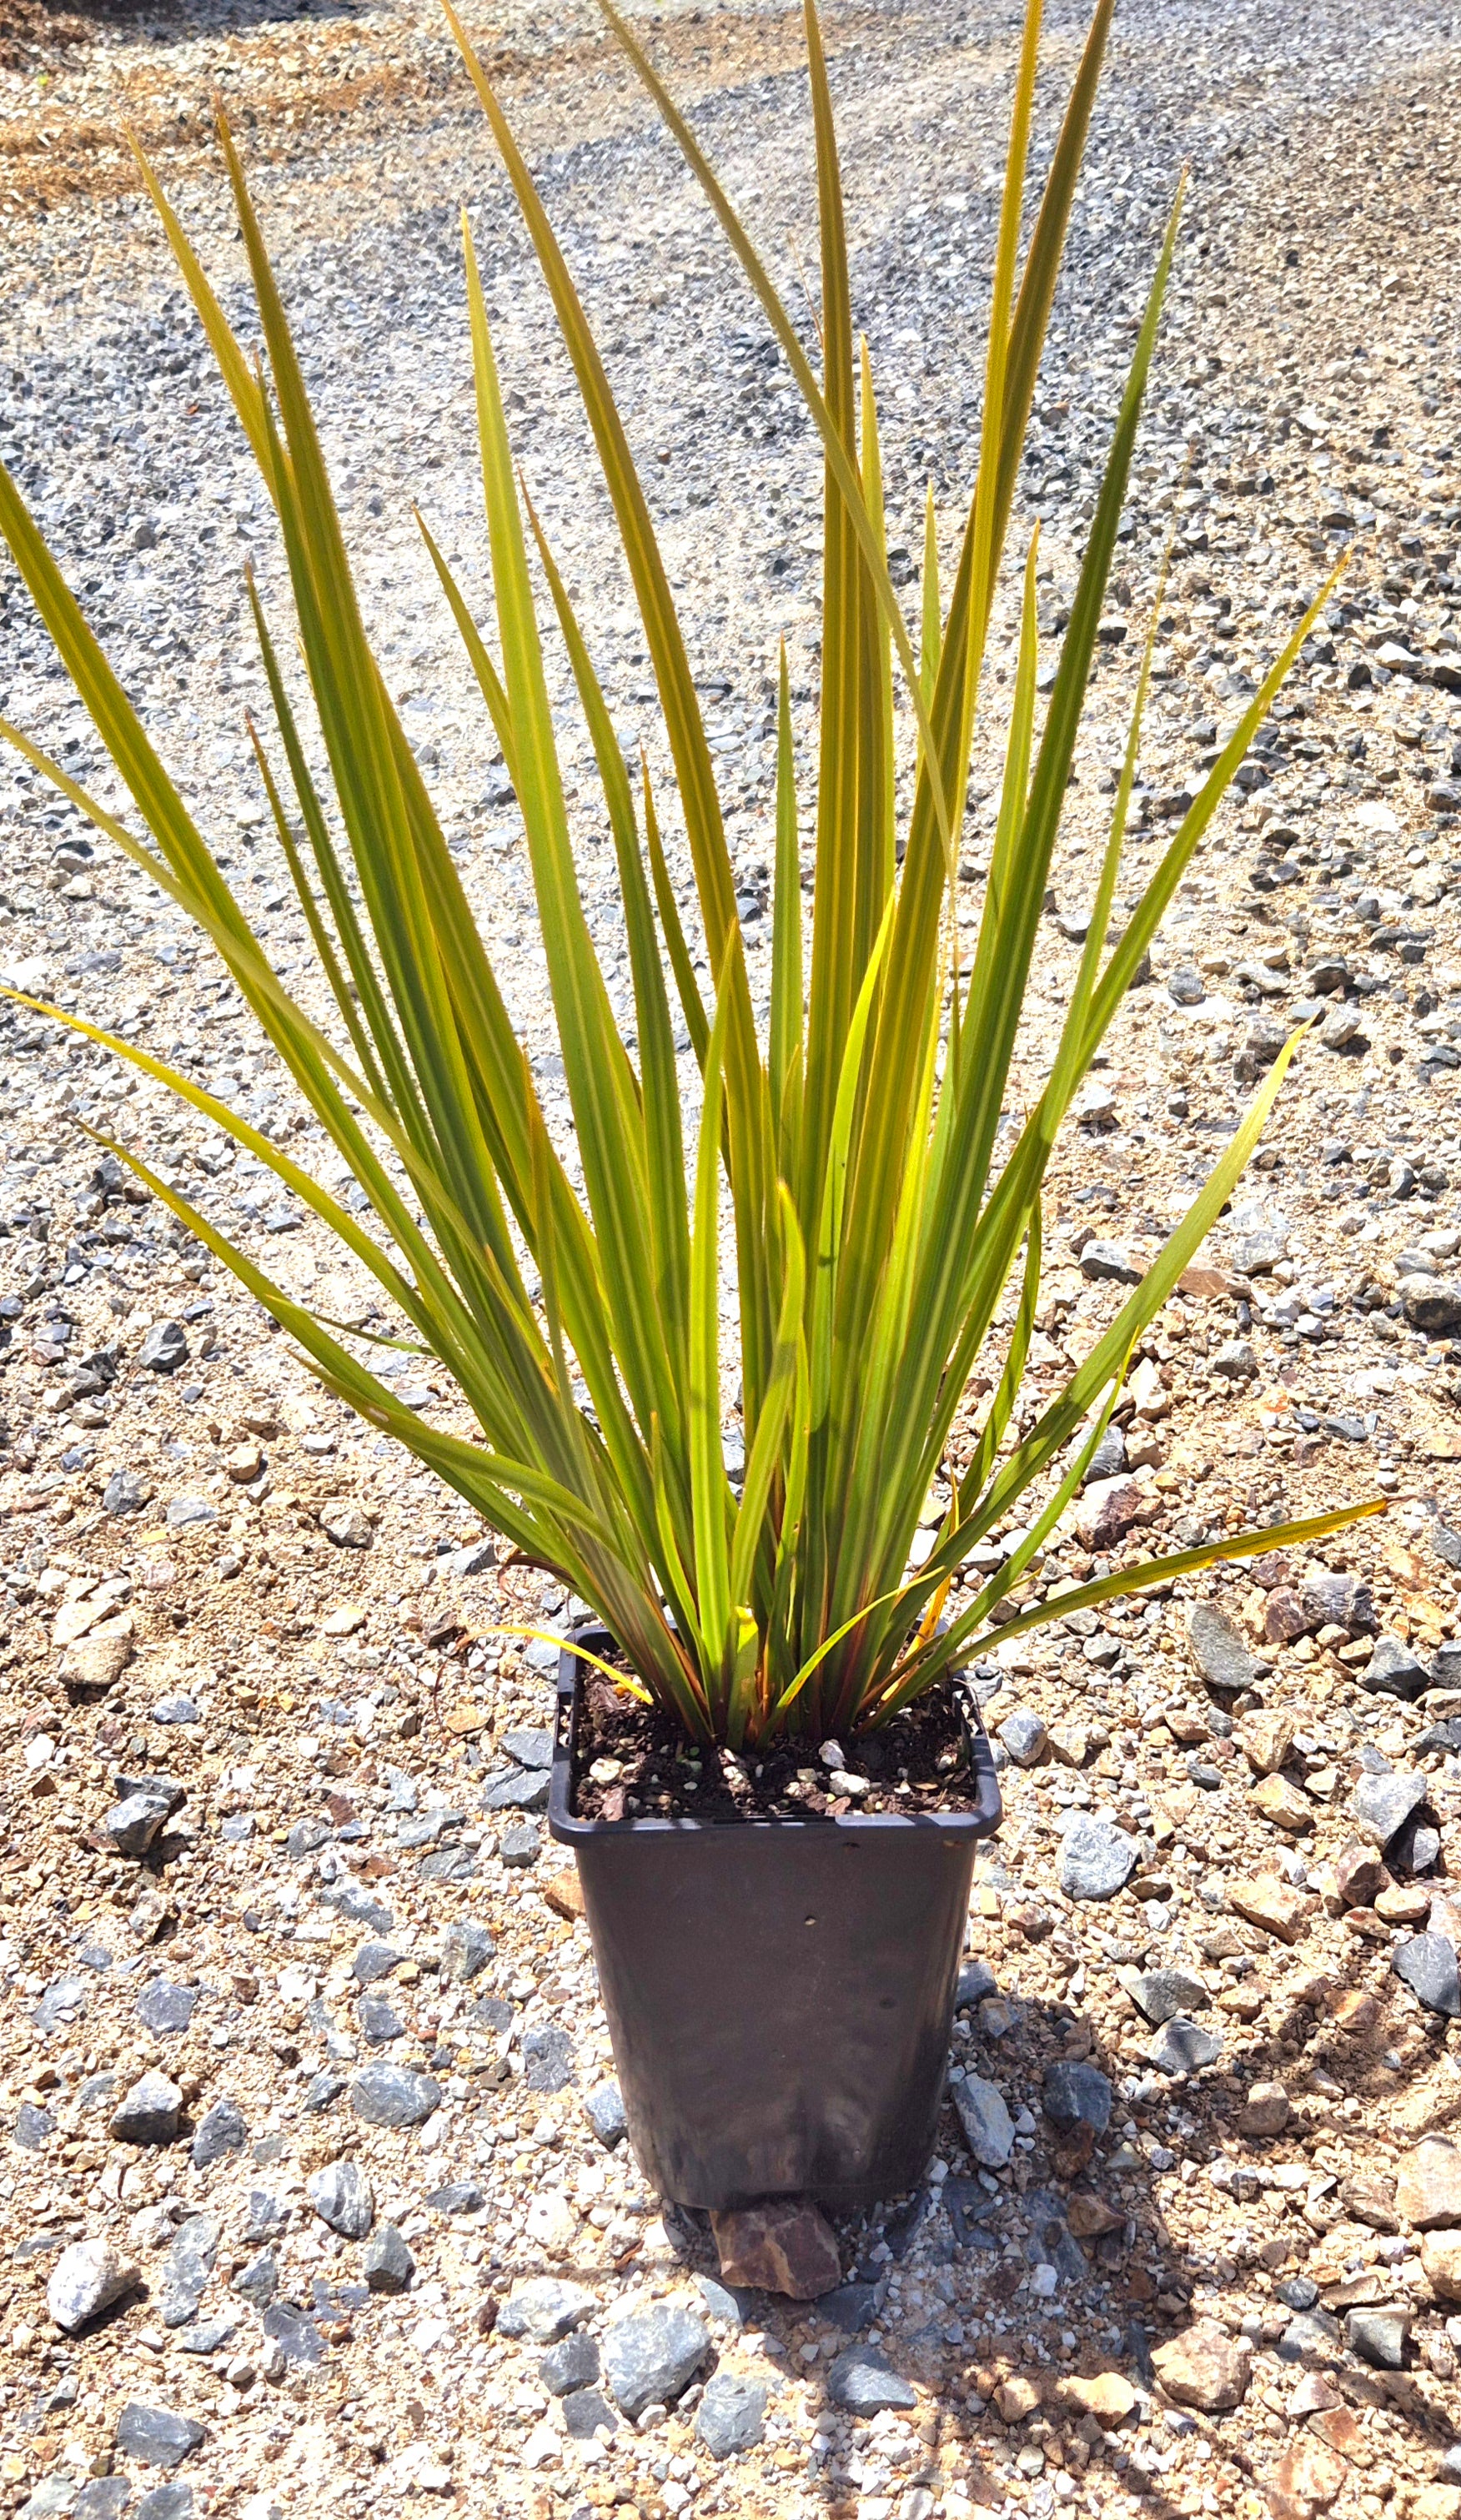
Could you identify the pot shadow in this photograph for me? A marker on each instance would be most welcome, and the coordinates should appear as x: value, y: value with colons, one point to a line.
x: 980, y: 2284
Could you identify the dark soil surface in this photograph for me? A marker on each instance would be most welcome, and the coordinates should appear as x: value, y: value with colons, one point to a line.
x: 918, y: 1762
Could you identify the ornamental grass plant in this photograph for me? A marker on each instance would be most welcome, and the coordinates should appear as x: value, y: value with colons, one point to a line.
x: 884, y: 1229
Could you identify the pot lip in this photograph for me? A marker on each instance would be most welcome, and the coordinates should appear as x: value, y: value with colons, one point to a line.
x: 563, y: 1824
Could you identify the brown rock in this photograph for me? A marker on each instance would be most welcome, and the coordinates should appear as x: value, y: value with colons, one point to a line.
x: 99, y: 1660
x: 1270, y: 1904
x: 782, y: 2246
x: 1267, y: 1739
x: 1368, y: 2199
x: 1108, y: 2396
x: 1088, y: 2217
x: 1403, y: 1902
x: 1106, y: 1511
x: 1315, y: 2394
x: 1205, y: 2367
x: 1311, y: 2473
x: 1441, y: 2261
x: 1284, y: 1617
x: 1341, y: 2427
x: 564, y: 1892
x: 1016, y: 2399
x: 1359, y: 1873
x: 1285, y: 1804
x: 1428, y: 2184
x: 1265, y: 2111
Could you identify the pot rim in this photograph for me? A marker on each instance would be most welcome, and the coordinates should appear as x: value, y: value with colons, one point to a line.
x: 563, y: 1824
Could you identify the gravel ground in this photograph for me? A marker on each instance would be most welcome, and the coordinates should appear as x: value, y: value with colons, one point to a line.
x: 375, y: 2236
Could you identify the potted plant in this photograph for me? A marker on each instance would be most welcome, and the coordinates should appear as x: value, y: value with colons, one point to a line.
x: 765, y: 1761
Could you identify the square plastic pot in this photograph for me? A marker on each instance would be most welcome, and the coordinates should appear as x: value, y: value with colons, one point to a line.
x: 780, y: 1992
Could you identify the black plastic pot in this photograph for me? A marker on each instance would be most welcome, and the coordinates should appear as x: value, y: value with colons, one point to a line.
x: 779, y: 1991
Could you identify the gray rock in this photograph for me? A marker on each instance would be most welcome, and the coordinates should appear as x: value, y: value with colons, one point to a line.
x: 521, y: 1845
x: 373, y: 1962
x: 865, y: 2382
x: 387, y: 2264
x: 605, y: 2108
x: 1162, y: 1994
x: 465, y: 1949
x: 852, y: 2307
x: 1380, y: 2336
x: 357, y: 1907
x: 1217, y: 1648
x: 133, y: 1824
x: 586, y: 2413
x: 517, y: 1788
x: 977, y: 1979
x: 33, y: 2127
x: 1256, y: 1254
x: 571, y: 2364
x: 378, y: 2020
x: 988, y: 2128
x: 1181, y: 2048
x: 103, y: 2497
x: 1313, y: 2336
x: 322, y: 2091
x: 207, y: 2335
x: 156, y: 2435
x: 63, y: 2000
x: 1428, y: 1966
x: 1025, y: 1736
x: 1109, y: 1459
x: 1096, y: 1858
x: 543, y: 2309
x: 165, y: 2009
x: 652, y: 2355
x: 164, y: 1348
x: 1384, y: 1804
x: 222, y: 2129
x: 165, y: 2502
x: 54, y: 2499
x: 547, y: 2059
x: 1107, y: 1260
x: 296, y: 2334
x: 341, y: 2194
x: 190, y: 1513
x: 259, y: 2282
x: 448, y: 1864
x: 1392, y: 1670
x: 188, y: 2265
x: 177, y: 1709
x: 86, y: 2280
x: 732, y: 2415
x: 1186, y: 986
x: 458, y: 2197
x: 529, y: 1748
x: 1235, y: 1362
x: 148, y: 2112
x: 1076, y: 2095
x: 126, y: 1492
x: 1432, y: 1304
x: 392, y: 2095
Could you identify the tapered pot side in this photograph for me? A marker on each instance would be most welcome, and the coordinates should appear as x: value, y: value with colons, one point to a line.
x: 779, y: 1991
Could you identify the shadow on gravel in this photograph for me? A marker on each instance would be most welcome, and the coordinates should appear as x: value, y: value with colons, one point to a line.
x: 1008, y: 2299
